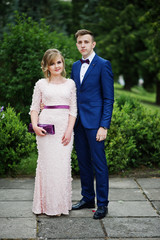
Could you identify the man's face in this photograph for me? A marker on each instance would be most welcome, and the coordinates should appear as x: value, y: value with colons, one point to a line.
x: 85, y: 45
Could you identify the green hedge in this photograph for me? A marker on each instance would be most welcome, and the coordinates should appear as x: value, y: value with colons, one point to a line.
x: 133, y: 139
x: 15, y: 141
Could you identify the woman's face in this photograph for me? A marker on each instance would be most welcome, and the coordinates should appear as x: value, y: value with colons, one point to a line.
x: 56, y: 67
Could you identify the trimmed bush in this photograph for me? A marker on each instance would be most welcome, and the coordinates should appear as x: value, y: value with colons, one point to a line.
x: 133, y: 139
x: 15, y: 141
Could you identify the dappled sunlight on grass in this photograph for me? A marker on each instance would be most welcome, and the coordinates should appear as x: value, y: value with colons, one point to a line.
x: 146, y: 98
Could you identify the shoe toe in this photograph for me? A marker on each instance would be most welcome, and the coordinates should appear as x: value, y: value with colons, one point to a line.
x: 100, y: 213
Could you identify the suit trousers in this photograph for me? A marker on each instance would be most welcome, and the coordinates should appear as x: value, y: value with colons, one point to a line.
x: 92, y: 162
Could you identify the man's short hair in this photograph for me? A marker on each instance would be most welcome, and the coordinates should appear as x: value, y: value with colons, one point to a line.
x: 82, y: 32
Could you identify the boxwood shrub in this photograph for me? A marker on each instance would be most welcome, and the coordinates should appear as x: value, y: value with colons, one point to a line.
x: 133, y: 139
x: 15, y: 141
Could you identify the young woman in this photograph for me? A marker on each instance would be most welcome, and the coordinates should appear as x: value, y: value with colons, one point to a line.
x: 52, y: 193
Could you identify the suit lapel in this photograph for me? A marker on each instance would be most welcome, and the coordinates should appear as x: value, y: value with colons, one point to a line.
x: 78, y: 68
x: 92, y: 65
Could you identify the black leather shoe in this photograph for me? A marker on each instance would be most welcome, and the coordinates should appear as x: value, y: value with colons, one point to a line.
x: 83, y: 204
x: 101, y: 212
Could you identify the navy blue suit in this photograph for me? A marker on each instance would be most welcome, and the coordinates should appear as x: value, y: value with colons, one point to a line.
x: 95, y: 97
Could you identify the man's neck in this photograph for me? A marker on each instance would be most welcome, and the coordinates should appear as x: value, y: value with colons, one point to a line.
x: 85, y: 57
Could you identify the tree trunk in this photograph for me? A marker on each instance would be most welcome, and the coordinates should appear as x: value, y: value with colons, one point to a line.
x: 158, y: 92
x: 128, y: 84
x: 130, y: 78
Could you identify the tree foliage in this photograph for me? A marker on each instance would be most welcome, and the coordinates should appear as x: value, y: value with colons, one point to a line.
x: 21, y: 51
x: 151, y: 63
x: 57, y: 13
x: 127, y: 33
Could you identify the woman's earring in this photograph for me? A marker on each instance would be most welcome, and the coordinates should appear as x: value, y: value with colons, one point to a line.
x: 48, y: 73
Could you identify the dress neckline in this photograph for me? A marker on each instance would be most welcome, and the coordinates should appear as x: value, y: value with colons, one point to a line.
x: 57, y: 83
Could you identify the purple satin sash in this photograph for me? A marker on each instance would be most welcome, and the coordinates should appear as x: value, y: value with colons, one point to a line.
x: 57, y: 107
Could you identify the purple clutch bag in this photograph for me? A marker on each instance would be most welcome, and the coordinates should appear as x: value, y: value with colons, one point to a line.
x: 48, y: 127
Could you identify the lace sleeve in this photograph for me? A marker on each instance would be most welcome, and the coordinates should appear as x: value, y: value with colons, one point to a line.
x: 36, y: 98
x: 73, y: 101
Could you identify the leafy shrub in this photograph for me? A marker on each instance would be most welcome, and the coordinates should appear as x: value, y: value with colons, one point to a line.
x: 15, y: 141
x: 123, y: 99
x: 133, y: 139
x: 75, y: 167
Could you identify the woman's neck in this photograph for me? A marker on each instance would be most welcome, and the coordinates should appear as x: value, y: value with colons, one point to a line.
x: 56, y: 79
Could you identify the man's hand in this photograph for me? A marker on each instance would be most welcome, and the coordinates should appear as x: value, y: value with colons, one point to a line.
x: 101, y: 134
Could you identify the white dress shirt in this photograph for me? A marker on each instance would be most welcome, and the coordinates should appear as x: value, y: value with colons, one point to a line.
x: 85, y: 66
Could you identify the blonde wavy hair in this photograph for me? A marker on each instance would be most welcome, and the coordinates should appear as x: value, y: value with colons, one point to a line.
x: 48, y: 58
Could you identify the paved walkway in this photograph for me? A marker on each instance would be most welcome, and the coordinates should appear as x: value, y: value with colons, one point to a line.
x: 134, y: 213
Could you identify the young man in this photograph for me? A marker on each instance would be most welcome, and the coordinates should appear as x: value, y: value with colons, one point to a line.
x: 95, y: 96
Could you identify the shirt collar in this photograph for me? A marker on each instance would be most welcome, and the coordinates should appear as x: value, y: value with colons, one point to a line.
x: 91, y: 56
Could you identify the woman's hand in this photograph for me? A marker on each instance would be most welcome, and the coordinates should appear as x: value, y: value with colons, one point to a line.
x: 66, y: 138
x: 39, y: 131
x: 42, y: 106
x: 101, y: 134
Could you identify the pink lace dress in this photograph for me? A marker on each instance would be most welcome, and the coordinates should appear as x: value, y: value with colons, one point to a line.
x: 53, y: 192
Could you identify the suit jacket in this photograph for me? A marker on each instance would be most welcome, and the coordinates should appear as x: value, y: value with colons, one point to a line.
x: 95, y: 96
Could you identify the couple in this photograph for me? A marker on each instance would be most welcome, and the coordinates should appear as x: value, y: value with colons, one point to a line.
x: 93, y: 79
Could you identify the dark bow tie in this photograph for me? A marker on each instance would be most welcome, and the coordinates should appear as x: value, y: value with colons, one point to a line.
x: 84, y: 61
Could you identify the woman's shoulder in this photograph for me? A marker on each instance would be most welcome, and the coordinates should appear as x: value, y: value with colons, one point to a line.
x: 41, y: 81
x: 71, y: 81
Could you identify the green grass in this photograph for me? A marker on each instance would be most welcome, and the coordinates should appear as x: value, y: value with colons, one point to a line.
x: 147, y: 99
